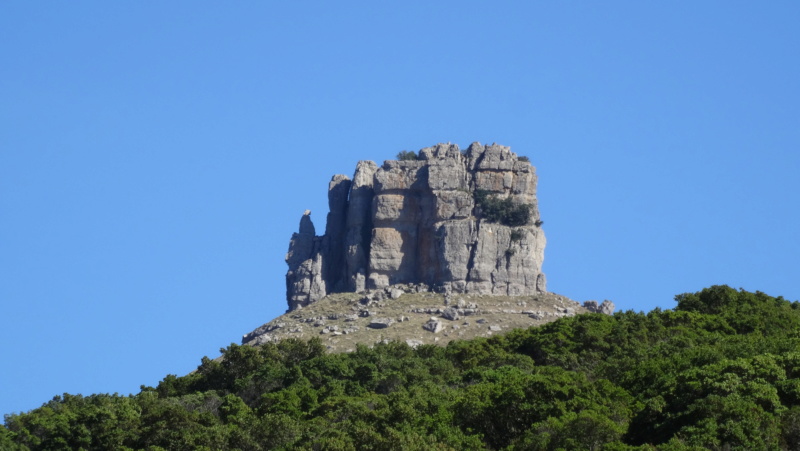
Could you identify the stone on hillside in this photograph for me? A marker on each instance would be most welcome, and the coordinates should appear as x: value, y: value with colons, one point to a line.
x: 450, y: 313
x: 433, y: 325
x: 606, y: 307
x: 591, y: 306
x: 381, y: 323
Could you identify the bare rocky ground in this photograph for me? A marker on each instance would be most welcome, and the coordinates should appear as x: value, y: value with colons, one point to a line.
x: 402, y: 313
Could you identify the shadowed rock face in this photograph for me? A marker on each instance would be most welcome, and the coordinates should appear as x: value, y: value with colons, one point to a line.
x: 418, y: 222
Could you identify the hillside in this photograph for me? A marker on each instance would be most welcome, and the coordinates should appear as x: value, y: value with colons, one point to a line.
x: 343, y: 320
x: 721, y: 371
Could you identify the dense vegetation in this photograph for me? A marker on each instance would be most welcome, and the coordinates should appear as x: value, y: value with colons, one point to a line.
x: 720, y: 371
x: 504, y: 211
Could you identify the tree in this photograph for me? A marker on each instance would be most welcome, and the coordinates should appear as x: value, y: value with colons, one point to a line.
x: 407, y: 155
x: 504, y: 211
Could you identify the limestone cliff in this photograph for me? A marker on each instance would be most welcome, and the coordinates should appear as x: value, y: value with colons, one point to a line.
x: 460, y: 222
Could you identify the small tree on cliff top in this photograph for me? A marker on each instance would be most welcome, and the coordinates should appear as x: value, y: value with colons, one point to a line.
x: 407, y: 155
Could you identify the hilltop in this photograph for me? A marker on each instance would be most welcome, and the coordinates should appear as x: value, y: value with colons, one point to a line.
x: 343, y: 320
x: 440, y: 244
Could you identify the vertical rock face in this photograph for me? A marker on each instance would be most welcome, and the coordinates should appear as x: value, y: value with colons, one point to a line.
x: 457, y: 221
x: 304, y: 283
x: 338, y: 192
x: 359, y: 226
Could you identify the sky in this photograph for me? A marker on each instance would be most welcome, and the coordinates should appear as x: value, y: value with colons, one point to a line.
x: 155, y: 157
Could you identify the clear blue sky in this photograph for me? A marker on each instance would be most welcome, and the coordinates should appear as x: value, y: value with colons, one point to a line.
x: 155, y: 157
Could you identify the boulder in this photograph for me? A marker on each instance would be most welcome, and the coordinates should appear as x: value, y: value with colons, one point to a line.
x: 433, y: 325
x: 380, y: 323
x: 450, y: 313
x: 606, y: 307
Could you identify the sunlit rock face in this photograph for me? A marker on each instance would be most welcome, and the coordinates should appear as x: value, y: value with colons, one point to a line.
x: 418, y: 221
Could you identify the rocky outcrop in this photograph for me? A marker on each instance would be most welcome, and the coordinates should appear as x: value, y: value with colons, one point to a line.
x: 461, y: 222
x: 606, y: 307
x: 304, y: 282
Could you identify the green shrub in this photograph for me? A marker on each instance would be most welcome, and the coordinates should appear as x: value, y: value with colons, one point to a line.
x: 517, y: 235
x: 524, y: 158
x: 407, y: 155
x: 503, y: 211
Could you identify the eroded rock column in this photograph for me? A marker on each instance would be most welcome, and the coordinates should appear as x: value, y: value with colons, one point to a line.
x: 304, y: 281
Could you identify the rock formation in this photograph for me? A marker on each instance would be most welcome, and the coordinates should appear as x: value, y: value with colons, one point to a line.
x: 606, y: 307
x: 460, y: 222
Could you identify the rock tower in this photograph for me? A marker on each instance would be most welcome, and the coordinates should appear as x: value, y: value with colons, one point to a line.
x: 461, y: 222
